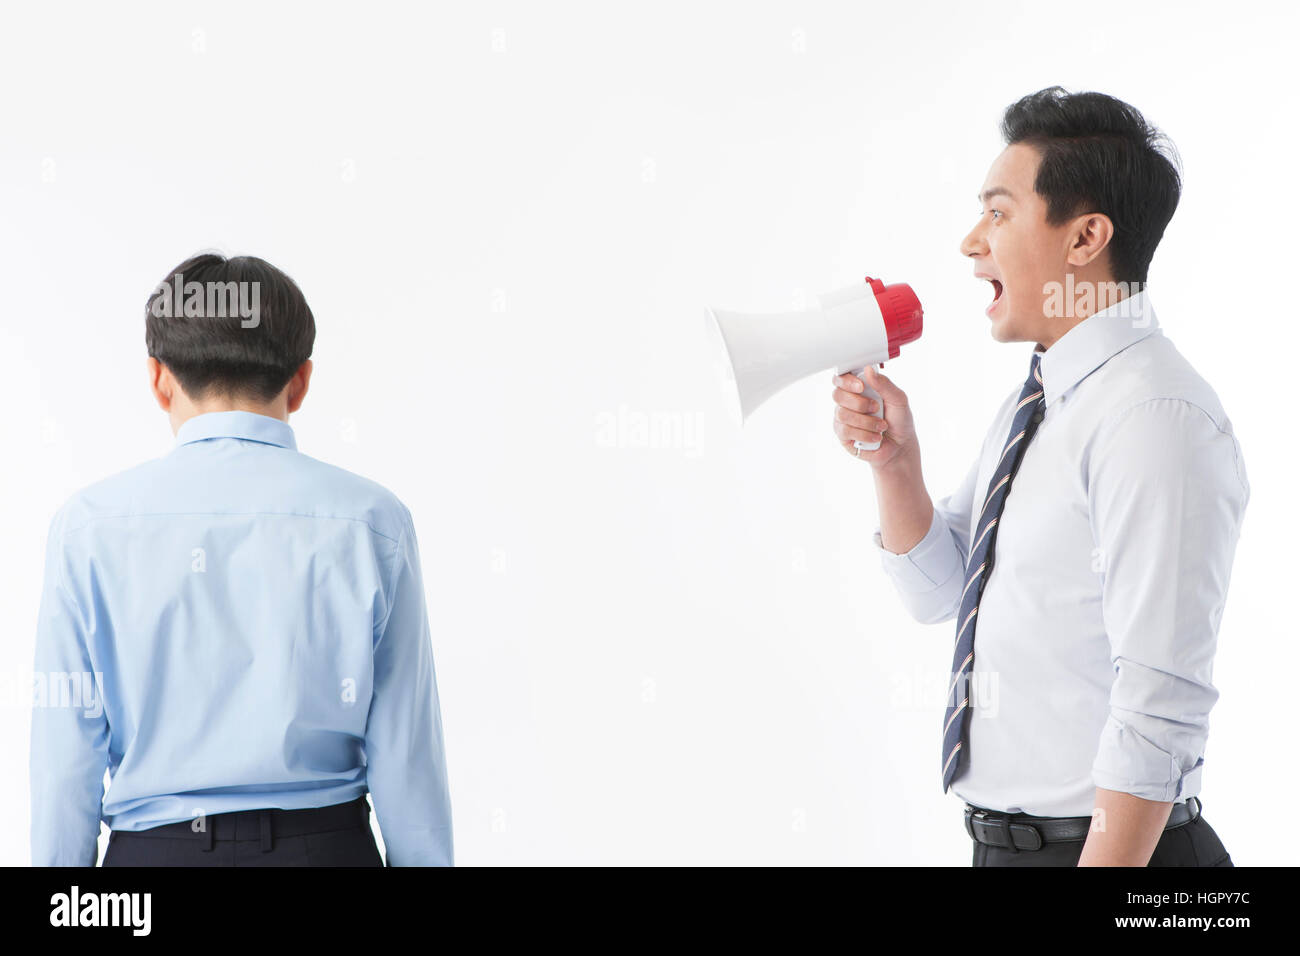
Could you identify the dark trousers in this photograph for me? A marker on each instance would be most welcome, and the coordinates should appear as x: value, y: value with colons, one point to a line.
x: 338, y: 835
x: 1191, y: 844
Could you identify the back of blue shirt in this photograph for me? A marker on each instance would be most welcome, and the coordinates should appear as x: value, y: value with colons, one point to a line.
x: 231, y: 627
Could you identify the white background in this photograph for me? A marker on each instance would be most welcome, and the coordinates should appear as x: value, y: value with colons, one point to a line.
x: 663, y: 646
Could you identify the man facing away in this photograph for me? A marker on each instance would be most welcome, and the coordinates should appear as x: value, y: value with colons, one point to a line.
x: 1085, y: 557
x: 236, y: 631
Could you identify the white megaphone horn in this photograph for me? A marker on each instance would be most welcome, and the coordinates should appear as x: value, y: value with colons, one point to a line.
x: 854, y: 327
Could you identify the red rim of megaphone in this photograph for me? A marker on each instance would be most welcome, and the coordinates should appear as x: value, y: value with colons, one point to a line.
x: 902, y: 313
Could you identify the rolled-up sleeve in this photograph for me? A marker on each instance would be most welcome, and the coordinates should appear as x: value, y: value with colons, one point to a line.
x: 1167, y: 492
x: 928, y: 578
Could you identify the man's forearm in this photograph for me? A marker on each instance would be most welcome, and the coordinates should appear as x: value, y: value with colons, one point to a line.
x: 906, y: 510
x: 1125, y: 829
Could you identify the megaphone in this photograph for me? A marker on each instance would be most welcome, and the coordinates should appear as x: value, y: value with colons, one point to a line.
x: 863, y: 324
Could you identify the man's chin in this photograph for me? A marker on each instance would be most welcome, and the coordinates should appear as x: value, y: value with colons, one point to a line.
x: 1004, y: 330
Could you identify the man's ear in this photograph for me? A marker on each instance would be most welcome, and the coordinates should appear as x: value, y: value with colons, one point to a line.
x: 1088, y: 235
x: 161, y: 384
x: 298, y: 386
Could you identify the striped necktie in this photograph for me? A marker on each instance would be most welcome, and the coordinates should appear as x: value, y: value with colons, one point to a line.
x: 979, y: 564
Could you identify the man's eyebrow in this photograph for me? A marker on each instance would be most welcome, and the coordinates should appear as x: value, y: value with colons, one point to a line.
x: 995, y: 191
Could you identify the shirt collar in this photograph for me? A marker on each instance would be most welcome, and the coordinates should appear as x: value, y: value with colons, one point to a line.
x: 1087, y: 346
x: 236, y: 424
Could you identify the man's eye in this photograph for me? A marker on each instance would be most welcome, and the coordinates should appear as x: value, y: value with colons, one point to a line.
x: 996, y: 212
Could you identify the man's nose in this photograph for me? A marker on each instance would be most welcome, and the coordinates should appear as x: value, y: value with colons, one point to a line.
x: 974, y: 244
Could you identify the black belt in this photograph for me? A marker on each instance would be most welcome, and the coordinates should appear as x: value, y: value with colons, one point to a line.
x: 1020, y: 831
x: 263, y: 825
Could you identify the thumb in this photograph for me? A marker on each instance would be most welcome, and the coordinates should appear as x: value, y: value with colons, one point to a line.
x: 884, y: 385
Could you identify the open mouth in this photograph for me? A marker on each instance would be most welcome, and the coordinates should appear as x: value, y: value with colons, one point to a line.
x: 997, y: 290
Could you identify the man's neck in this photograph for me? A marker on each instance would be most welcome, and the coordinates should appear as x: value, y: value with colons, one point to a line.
x: 1079, y: 306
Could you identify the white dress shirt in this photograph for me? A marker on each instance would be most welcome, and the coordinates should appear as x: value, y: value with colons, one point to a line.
x: 1098, y: 623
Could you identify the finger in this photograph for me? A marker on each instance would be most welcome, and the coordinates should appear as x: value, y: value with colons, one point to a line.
x: 856, y: 403
x: 858, y: 420
x: 865, y: 454
x: 848, y: 381
x: 884, y: 385
x: 850, y: 434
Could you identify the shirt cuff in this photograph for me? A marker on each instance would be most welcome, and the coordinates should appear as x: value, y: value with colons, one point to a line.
x: 929, y: 565
x: 1130, y: 763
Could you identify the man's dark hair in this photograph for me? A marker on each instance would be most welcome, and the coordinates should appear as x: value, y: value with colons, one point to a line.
x: 1098, y: 154
x: 214, y: 347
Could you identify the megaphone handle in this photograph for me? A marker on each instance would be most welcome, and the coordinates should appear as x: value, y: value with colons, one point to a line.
x: 871, y: 393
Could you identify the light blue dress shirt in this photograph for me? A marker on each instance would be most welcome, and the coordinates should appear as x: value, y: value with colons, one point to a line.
x: 234, y: 626
x: 1098, y: 623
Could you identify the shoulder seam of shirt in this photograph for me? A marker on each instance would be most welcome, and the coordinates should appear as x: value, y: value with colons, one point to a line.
x: 220, y: 514
x: 61, y: 583
x: 1236, y: 456
x: 398, y: 568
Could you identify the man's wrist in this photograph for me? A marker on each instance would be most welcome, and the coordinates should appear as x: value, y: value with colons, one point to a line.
x: 903, y: 472
x: 906, y: 511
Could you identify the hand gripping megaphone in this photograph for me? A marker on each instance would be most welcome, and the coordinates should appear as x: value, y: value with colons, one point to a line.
x: 854, y: 327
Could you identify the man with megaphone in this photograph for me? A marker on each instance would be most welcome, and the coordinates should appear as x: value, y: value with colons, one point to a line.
x: 1078, y: 703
